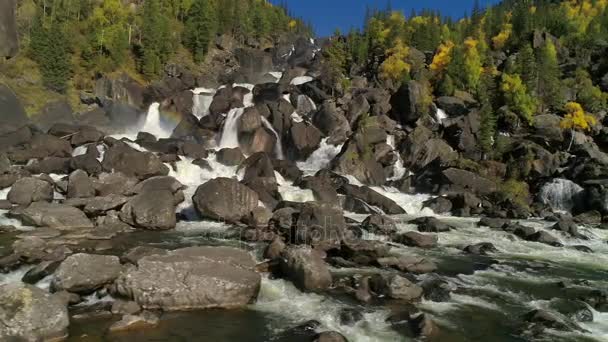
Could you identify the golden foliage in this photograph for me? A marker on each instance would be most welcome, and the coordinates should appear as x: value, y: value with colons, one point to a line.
x: 501, y: 38
x: 395, y: 67
x: 292, y: 24
x: 472, y: 63
x: 576, y: 118
x: 517, y: 97
x: 442, y: 57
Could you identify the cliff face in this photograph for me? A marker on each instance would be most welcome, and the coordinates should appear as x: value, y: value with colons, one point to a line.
x: 9, y: 44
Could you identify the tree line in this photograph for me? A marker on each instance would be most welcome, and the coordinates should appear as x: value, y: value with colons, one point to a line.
x: 75, y: 40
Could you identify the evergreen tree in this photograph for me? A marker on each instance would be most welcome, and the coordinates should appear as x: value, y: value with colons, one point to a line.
x: 526, y: 66
x: 155, y: 39
x: 51, y: 51
x: 201, y: 27
x: 549, y: 87
x: 487, y: 128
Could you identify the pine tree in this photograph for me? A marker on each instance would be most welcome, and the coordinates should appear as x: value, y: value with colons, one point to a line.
x: 526, y: 66
x: 201, y: 27
x: 155, y: 39
x: 487, y: 128
x: 549, y: 87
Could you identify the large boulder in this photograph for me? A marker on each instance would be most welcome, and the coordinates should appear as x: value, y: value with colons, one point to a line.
x: 192, y: 278
x: 151, y: 209
x: 547, y: 127
x: 305, y: 267
x: 421, y: 149
x: 225, y: 199
x: 305, y: 139
x: 331, y: 122
x: 80, y: 185
x: 13, y: 113
x: 462, y: 180
x: 120, y: 89
x: 373, y: 198
x: 409, y: 103
x: 133, y: 163
x: 52, y: 113
x: 453, y: 106
x: 319, y: 224
x: 29, y: 189
x: 54, y: 215
x: 85, y: 273
x: 28, y: 313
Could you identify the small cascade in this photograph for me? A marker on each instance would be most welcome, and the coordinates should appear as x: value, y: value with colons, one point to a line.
x: 398, y: 169
x: 305, y: 105
x: 301, y: 80
x: 278, y: 146
x: 440, y: 115
x: 201, y: 100
x: 230, y: 132
x: 153, y: 124
x: 560, y: 194
x: 320, y: 158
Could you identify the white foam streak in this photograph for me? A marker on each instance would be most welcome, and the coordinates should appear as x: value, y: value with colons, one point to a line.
x: 153, y: 124
x: 301, y: 80
x: 230, y: 134
x: 201, y: 100
x: 320, y: 158
x: 278, y: 146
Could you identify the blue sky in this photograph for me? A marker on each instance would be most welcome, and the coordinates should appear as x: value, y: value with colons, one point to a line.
x: 327, y: 15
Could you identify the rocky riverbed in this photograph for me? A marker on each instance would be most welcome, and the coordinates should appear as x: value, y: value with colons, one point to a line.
x: 274, y: 212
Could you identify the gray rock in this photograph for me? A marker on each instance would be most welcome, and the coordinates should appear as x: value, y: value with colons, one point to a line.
x: 192, y: 278
x: 54, y: 215
x: 31, y: 314
x: 133, y: 163
x: 9, y: 41
x: 114, y: 183
x: 230, y: 156
x: 27, y: 190
x: 79, y: 185
x: 305, y: 267
x: 99, y: 205
x: 396, y: 287
x: 154, y: 210
x: 379, y: 223
x: 146, y: 319
x: 225, y: 199
x: 85, y: 273
x: 416, y: 239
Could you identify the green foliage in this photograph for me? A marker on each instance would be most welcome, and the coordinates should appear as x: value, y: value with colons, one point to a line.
x: 525, y: 65
x: 549, y: 85
x: 516, y: 191
x: 155, y: 39
x: 588, y: 95
x: 200, y: 28
x: 49, y: 48
x: 486, y: 112
x: 517, y: 97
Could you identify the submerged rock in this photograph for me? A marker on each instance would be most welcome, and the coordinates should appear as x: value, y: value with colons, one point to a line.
x: 192, y: 278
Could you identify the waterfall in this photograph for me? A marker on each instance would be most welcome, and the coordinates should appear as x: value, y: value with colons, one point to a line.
x: 278, y: 146
x: 560, y: 194
x: 440, y: 115
x: 398, y: 169
x: 230, y: 132
x: 201, y: 100
x: 153, y: 123
x: 320, y: 158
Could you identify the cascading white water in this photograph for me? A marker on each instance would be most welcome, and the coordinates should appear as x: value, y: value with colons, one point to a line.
x: 440, y: 115
x: 201, y: 100
x: 153, y: 124
x: 320, y: 158
x: 278, y: 146
x: 230, y: 132
x: 306, y: 104
x: 398, y: 169
x: 301, y: 80
x: 560, y: 194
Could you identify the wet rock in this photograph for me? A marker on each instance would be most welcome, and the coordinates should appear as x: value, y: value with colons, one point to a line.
x: 439, y: 205
x: 135, y: 254
x: 288, y: 169
x: 436, y: 289
x: 363, y: 252
x: 413, y: 264
x: 305, y: 331
x: 144, y: 320
x: 124, y: 307
x: 54, y: 215
x: 87, y: 163
x: 350, y: 316
x: 192, y: 278
x: 133, y: 163
x: 319, y: 224
x: 482, y: 248
x: 363, y: 292
x: 230, y: 156
x: 259, y: 217
x: 28, y: 190
x: 85, y: 273
x: 495, y: 223
x: 546, y: 238
x: 372, y: 198
x: 79, y: 185
x: 582, y: 248
x: 396, y: 287
x: 431, y: 225
x: 330, y: 336
x: 305, y: 139
x: 377, y: 223
x: 568, y: 227
x: 576, y: 310
x: 546, y: 319
x: 275, y: 248
x: 99, y: 205
x: 153, y: 210
x: 305, y: 267
x: 416, y: 239
x: 31, y: 314
x: 284, y: 218
x: 423, y: 325
x: 40, y: 271
x: 225, y: 199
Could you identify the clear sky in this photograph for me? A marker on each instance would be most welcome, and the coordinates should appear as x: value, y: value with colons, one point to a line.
x: 327, y: 15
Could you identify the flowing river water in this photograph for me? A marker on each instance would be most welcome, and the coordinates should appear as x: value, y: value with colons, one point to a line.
x: 490, y: 293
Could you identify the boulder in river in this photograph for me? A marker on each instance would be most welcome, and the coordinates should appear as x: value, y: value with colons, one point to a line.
x: 192, y: 278
x: 54, y: 215
x: 225, y: 199
x: 30, y: 189
x: 154, y: 210
x: 133, y: 163
x: 28, y: 313
x: 416, y: 239
x: 305, y: 267
x: 85, y: 273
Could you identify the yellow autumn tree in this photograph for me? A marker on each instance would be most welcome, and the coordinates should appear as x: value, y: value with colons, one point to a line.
x: 576, y: 119
x: 517, y: 96
x: 394, y: 66
x: 442, y: 57
x: 501, y: 38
